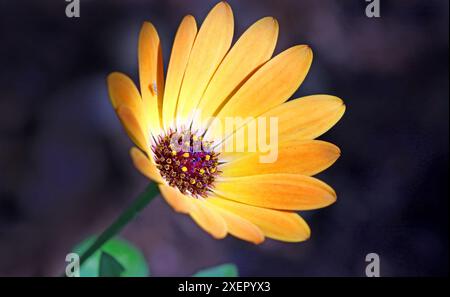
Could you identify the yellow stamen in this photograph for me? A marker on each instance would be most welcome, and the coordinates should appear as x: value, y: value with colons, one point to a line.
x: 186, y: 155
x: 184, y: 168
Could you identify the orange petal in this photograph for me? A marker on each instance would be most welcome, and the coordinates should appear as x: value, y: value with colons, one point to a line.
x: 298, y: 157
x: 307, y: 117
x: 133, y: 127
x: 268, y: 87
x: 177, y: 200
x: 253, y: 49
x: 208, y: 218
x: 122, y: 91
x: 144, y: 165
x: 278, y: 191
x: 181, y: 50
x: 240, y: 227
x: 211, y: 44
x: 276, y: 224
x: 300, y: 119
x: 151, y: 75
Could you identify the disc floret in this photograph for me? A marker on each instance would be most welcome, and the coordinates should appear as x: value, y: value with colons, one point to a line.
x: 186, y: 162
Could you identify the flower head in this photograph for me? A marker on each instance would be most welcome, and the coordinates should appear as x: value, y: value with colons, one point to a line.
x: 185, y: 145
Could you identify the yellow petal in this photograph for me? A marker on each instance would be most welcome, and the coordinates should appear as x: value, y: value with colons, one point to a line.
x: 268, y: 87
x: 300, y: 119
x: 253, y: 49
x: 240, y: 227
x: 177, y: 200
x: 210, y: 46
x: 122, y: 91
x: 181, y: 50
x: 307, y: 117
x: 144, y: 165
x: 278, y: 191
x: 298, y: 157
x: 133, y: 127
x: 276, y: 224
x: 208, y: 218
x: 151, y: 75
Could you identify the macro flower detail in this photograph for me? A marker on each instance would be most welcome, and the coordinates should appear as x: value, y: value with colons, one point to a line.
x: 176, y: 125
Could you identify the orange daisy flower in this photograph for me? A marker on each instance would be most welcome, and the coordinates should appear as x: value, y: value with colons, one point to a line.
x: 208, y: 81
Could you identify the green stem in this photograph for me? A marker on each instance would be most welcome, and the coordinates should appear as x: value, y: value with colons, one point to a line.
x: 132, y: 211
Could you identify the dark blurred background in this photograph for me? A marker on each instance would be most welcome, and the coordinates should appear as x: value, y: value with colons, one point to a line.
x: 65, y: 172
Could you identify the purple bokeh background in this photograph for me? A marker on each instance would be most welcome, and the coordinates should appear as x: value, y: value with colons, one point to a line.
x: 65, y: 172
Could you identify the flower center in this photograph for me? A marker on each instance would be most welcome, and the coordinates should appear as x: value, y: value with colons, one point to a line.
x: 186, y: 162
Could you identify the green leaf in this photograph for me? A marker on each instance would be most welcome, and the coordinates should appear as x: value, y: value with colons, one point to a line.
x: 224, y: 270
x: 123, y: 252
x: 109, y: 266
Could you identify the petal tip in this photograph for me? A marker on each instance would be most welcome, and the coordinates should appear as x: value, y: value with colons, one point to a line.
x: 344, y: 107
x: 270, y: 20
x: 339, y: 102
x: 304, y: 53
x: 259, y: 241
x: 112, y: 75
x: 332, y: 197
x: 147, y: 25
x: 134, y: 151
x: 223, y: 5
x: 304, y: 48
x: 305, y: 230
x: 189, y: 18
x: 335, y: 149
x: 220, y: 236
